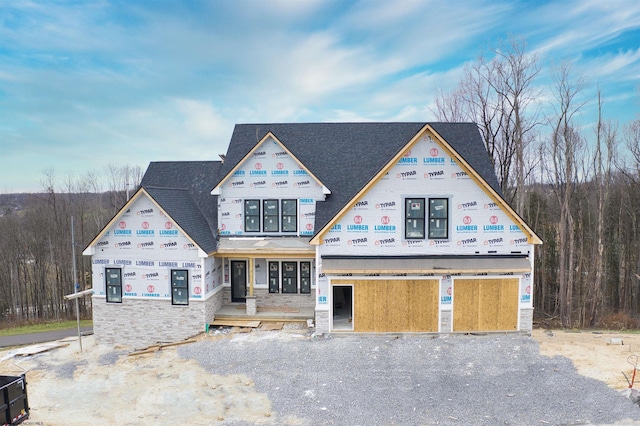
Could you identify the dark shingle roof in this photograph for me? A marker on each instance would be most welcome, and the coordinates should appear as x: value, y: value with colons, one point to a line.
x: 346, y: 156
x: 182, y: 189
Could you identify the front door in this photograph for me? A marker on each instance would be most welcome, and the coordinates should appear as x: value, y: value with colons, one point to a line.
x: 238, y: 280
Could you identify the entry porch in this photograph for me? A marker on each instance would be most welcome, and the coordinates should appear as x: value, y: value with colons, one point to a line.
x: 238, y: 311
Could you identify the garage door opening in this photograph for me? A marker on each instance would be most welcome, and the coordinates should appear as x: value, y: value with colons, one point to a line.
x: 342, y: 307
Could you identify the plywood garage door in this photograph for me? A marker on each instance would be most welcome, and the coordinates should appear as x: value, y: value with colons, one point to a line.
x: 485, y: 304
x: 394, y: 306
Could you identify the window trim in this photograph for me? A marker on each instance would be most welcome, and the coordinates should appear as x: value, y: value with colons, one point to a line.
x: 186, y: 287
x: 109, y: 286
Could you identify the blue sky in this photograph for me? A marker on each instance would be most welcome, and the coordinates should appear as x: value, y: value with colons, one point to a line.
x: 87, y: 84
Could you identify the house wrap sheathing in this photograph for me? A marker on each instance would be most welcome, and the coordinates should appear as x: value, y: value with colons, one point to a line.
x: 375, y: 227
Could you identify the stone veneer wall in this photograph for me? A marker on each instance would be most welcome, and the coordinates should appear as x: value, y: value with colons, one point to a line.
x: 139, y: 323
x: 446, y: 321
x: 322, y: 322
x: 526, y: 320
x: 266, y: 299
x: 213, y: 303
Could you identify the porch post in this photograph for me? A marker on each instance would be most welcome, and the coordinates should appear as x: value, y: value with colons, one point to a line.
x: 251, y: 265
x: 250, y: 300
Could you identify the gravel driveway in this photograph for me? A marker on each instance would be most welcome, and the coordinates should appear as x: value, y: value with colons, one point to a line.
x: 411, y: 380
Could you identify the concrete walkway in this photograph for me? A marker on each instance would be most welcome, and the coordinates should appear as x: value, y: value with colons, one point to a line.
x: 45, y: 336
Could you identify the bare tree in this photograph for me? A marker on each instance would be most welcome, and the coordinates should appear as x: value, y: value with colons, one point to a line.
x: 605, y: 148
x: 516, y: 71
x: 565, y: 145
x: 497, y: 94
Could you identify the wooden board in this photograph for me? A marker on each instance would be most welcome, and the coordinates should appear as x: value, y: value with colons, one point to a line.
x: 236, y: 323
x: 286, y: 309
x: 485, y: 304
x: 272, y: 326
x: 394, y: 305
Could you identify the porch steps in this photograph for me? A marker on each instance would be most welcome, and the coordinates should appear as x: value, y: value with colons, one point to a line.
x: 238, y: 313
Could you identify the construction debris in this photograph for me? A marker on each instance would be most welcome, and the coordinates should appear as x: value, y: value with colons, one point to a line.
x: 155, y: 348
x: 236, y: 323
x: 633, y: 395
x: 34, y: 349
x: 270, y: 326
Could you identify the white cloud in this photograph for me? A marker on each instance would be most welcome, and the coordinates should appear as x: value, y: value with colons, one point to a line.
x: 169, y: 80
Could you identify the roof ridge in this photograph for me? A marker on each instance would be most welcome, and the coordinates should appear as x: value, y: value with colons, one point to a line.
x: 165, y: 187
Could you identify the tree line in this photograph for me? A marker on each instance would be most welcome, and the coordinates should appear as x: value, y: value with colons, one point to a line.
x: 576, y: 185
x: 36, y: 251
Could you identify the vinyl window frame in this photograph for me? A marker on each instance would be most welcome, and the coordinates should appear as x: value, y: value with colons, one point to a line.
x: 116, y: 287
x: 267, y: 215
x: 254, y: 215
x: 415, y: 218
x: 438, y: 226
x: 179, y: 300
x: 289, y: 219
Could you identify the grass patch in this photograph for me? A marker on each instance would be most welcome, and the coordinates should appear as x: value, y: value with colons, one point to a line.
x: 49, y: 326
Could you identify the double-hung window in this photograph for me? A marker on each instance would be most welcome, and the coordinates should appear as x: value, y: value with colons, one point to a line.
x: 271, y: 216
x: 290, y: 277
x: 289, y: 216
x: 305, y: 277
x: 252, y: 215
x: 179, y: 287
x: 434, y: 212
x: 438, y: 218
x: 114, y: 284
x: 274, y: 277
x: 414, y: 218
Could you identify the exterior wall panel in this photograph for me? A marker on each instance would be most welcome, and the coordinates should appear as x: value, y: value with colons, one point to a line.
x: 140, y: 323
x: 394, y: 305
x: 375, y: 225
x: 485, y: 304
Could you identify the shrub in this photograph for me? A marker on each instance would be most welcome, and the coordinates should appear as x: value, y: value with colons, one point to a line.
x: 619, y: 321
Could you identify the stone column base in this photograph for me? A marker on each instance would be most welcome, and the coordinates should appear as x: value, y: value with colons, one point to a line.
x: 322, y: 322
x: 252, y: 307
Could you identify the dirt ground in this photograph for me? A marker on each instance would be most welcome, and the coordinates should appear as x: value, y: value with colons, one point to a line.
x: 100, y: 386
x: 600, y: 355
x: 118, y: 385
